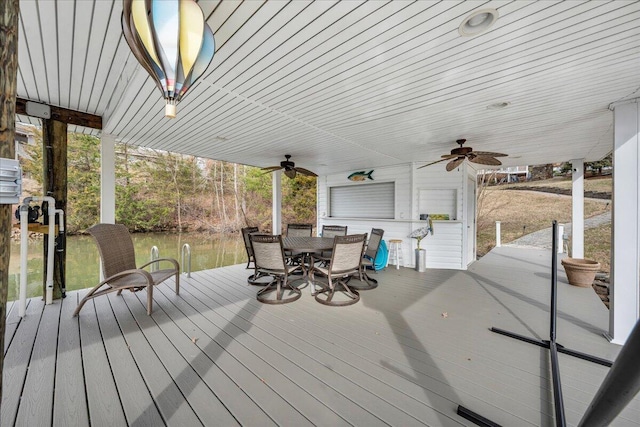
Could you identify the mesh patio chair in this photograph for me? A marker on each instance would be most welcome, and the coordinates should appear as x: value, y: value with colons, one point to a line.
x: 270, y: 260
x: 346, y: 259
x: 331, y: 231
x: 119, y: 266
x: 297, y: 230
x: 254, y: 279
x: 369, y: 259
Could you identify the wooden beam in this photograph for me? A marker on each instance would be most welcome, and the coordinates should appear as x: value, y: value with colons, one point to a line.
x: 9, y: 11
x: 63, y: 115
x: 54, y: 169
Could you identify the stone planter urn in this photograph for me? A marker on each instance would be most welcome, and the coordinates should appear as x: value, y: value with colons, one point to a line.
x: 580, y: 272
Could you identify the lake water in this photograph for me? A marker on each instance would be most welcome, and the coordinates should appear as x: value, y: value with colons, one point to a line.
x: 83, y: 262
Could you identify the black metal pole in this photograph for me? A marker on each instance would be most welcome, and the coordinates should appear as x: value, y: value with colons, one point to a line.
x: 558, y: 401
x: 554, y: 281
x: 621, y: 384
x: 554, y: 349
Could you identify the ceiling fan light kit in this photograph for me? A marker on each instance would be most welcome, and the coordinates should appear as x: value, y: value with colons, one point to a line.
x: 459, y: 154
x: 290, y: 169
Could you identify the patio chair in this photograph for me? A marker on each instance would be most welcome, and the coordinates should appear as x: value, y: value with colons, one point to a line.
x: 331, y: 231
x: 119, y: 266
x: 368, y: 260
x: 297, y: 230
x: 334, y: 230
x: 254, y: 279
x: 346, y: 259
x: 270, y: 260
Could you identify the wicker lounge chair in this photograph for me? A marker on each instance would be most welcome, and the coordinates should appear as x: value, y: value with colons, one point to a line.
x: 119, y: 266
x: 346, y: 259
x: 369, y: 260
x: 269, y: 260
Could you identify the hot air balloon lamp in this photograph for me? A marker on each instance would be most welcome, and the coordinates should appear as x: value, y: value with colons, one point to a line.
x: 171, y: 41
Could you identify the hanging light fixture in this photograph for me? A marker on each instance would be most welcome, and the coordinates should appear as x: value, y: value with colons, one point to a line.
x: 171, y: 41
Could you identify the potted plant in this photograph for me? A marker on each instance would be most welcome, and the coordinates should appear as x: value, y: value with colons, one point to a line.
x: 580, y: 272
x: 421, y: 254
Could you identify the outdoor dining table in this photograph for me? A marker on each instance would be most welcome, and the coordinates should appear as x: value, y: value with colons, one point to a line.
x: 307, y: 246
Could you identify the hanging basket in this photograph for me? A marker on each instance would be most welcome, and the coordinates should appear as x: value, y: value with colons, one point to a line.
x: 580, y: 272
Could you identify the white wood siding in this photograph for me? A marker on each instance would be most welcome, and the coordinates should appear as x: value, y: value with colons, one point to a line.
x: 444, y: 247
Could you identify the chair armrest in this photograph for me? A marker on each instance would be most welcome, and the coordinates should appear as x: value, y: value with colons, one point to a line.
x: 171, y: 260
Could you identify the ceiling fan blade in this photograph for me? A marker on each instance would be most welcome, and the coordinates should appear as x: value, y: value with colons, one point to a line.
x: 306, y: 172
x: 454, y: 164
x: 271, y: 168
x: 432, y: 163
x: 489, y: 154
x: 448, y: 156
x: 485, y: 160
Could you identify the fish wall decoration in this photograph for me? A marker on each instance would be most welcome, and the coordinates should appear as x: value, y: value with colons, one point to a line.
x: 360, y: 176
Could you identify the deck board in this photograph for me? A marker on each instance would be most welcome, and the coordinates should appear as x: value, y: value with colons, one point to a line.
x: 214, y: 355
x: 277, y: 408
x: 294, y: 351
x: 171, y: 403
x: 203, y: 400
x: 340, y: 362
x: 139, y: 407
x: 36, y: 404
x: 70, y: 406
x: 231, y: 394
x: 16, y: 362
x: 104, y: 404
x: 13, y: 320
x: 361, y: 349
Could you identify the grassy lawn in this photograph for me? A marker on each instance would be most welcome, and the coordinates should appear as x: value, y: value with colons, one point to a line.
x: 602, y: 184
x: 523, y: 212
x: 597, y: 245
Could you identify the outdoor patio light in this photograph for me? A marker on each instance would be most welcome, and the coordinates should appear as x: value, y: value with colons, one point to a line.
x: 478, y: 22
x: 171, y: 41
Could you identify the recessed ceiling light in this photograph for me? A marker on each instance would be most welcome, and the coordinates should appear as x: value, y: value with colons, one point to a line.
x: 498, y: 105
x: 478, y: 22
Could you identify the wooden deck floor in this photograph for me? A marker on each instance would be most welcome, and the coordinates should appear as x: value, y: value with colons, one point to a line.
x: 407, y: 354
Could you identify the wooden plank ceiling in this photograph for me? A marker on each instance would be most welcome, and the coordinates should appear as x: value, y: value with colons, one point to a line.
x: 352, y: 84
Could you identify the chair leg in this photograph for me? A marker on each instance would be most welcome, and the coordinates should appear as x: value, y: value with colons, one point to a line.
x: 368, y: 282
x: 149, y: 299
x: 278, y: 286
x: 87, y: 297
x: 330, y: 292
x: 178, y: 283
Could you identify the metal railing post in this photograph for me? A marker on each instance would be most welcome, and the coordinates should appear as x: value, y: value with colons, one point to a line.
x: 186, y: 248
x: 155, y: 254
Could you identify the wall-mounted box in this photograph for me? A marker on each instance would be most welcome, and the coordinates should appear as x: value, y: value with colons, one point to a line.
x: 10, y: 182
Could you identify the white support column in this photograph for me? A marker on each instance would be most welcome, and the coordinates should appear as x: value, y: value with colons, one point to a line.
x: 577, y: 208
x: 625, y: 247
x: 277, y: 202
x: 108, y: 179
